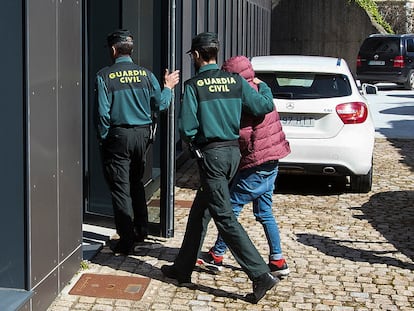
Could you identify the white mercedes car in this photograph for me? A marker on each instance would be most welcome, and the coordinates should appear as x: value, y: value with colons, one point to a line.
x: 326, y: 119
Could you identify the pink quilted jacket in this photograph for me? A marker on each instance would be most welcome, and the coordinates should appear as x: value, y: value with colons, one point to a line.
x: 261, y: 138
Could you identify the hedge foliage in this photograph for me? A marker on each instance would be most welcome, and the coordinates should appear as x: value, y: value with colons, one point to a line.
x: 371, y: 7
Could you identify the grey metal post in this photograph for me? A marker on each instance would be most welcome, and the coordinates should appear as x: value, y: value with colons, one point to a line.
x: 168, y: 229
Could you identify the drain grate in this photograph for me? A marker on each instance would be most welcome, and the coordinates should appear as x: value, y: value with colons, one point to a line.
x: 110, y: 286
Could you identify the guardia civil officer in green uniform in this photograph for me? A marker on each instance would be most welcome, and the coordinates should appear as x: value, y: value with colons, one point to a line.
x: 128, y: 96
x: 209, y: 121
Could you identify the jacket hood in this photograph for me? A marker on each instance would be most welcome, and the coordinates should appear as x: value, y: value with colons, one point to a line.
x: 240, y: 64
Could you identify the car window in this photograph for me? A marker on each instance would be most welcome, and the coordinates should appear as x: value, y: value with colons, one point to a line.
x: 300, y: 85
x: 381, y: 45
x: 410, y: 45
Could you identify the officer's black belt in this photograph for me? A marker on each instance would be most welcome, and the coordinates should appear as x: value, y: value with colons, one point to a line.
x: 129, y: 126
x: 218, y: 144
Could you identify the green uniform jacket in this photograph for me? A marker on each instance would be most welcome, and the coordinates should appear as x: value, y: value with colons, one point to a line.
x: 127, y: 95
x: 212, y: 104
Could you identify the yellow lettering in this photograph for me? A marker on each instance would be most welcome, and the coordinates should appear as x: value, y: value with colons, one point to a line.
x: 218, y: 88
x: 128, y: 73
x: 217, y: 84
x: 130, y: 79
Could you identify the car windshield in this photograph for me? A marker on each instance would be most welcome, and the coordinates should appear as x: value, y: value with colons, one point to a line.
x: 381, y: 45
x: 302, y: 85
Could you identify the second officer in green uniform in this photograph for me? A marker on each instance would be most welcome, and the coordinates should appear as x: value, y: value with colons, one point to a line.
x: 210, y: 121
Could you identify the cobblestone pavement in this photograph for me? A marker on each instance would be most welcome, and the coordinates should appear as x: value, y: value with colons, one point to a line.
x: 346, y: 251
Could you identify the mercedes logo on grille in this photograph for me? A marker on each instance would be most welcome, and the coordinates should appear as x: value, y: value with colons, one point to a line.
x: 290, y: 105
x: 376, y: 56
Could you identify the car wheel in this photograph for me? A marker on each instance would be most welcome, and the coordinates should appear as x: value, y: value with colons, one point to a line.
x: 361, y: 183
x: 409, y: 84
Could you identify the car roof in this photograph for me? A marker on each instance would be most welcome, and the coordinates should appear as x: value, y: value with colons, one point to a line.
x: 300, y: 63
x: 380, y: 35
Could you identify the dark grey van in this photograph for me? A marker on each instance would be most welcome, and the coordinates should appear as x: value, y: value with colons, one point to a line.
x: 387, y: 58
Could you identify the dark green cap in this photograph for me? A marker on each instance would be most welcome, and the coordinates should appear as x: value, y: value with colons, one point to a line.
x: 119, y: 35
x: 204, y: 40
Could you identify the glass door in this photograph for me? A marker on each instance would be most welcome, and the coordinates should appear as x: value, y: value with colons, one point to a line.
x: 142, y: 18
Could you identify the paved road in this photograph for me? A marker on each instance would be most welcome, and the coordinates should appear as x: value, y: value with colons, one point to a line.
x: 346, y: 251
x: 393, y: 112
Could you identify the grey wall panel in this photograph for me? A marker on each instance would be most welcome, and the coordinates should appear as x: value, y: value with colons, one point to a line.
x: 187, y: 33
x: 45, y: 292
x: 226, y: 43
x: 12, y: 216
x: 212, y: 16
x: 239, y: 34
x: 69, y: 268
x: 42, y: 68
x: 201, y: 16
x: 69, y: 127
x: 244, y: 28
x: 235, y: 27
x: 221, y: 28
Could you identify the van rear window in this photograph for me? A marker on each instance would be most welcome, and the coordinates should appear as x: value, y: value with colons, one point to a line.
x: 302, y: 85
x: 381, y: 45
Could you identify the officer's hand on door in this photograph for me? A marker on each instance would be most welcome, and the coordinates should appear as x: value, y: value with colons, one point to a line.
x: 171, y: 79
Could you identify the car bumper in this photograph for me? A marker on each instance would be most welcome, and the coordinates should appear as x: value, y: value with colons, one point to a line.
x: 346, y: 154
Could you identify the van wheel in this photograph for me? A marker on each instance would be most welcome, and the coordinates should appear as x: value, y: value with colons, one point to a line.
x: 409, y: 84
x: 361, y: 183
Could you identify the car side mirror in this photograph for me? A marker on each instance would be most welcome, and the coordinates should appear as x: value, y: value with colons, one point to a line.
x: 369, y: 89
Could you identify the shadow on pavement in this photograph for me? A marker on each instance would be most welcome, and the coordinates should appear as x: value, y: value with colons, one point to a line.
x: 311, y: 185
x: 404, y: 111
x: 133, y: 264
x: 406, y: 148
x: 392, y: 215
x: 398, y: 130
x: 335, y: 247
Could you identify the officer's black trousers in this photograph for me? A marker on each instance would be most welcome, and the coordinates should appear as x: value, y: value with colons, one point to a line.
x: 213, y: 201
x: 124, y: 164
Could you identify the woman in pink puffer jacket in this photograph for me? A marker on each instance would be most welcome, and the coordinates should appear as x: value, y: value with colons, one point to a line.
x: 262, y: 143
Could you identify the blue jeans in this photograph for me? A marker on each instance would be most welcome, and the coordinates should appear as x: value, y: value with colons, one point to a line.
x: 256, y: 185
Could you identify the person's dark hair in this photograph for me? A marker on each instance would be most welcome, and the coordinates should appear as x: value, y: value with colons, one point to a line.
x: 122, y: 40
x: 208, y: 53
x: 124, y: 48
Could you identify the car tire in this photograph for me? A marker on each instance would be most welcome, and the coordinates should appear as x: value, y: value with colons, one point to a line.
x: 361, y: 183
x: 409, y: 84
